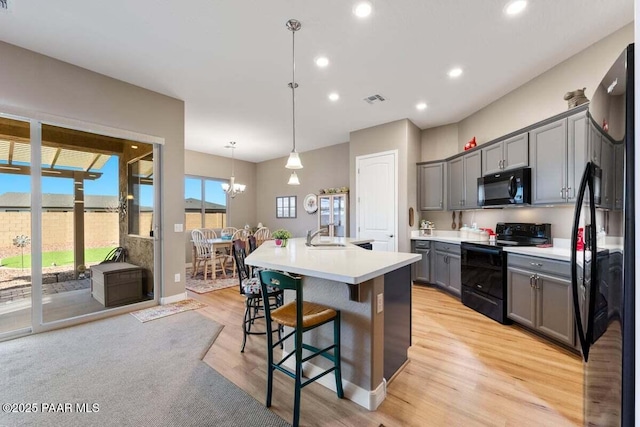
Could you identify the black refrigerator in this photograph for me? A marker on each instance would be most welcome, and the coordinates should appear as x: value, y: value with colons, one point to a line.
x: 603, y: 272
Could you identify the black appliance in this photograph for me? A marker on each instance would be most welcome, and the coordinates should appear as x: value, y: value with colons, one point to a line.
x: 603, y: 291
x: 505, y: 188
x: 484, y: 267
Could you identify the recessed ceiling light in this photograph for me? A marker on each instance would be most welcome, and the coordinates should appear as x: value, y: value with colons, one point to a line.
x: 134, y: 146
x: 515, y: 7
x: 421, y: 106
x: 334, y: 96
x: 455, y: 72
x: 322, y: 61
x: 362, y: 9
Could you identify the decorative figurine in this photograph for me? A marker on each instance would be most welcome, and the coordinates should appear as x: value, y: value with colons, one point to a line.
x: 576, y: 97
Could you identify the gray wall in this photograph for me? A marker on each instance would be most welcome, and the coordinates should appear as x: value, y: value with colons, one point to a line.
x: 37, y: 83
x: 401, y: 135
x: 324, y: 168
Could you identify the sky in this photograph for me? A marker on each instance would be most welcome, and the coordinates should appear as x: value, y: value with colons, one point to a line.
x: 107, y: 185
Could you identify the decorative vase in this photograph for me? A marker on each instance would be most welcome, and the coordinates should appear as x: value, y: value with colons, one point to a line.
x: 281, y: 243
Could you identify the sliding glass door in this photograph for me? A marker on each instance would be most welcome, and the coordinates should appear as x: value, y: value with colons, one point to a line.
x: 78, y: 227
x: 15, y: 231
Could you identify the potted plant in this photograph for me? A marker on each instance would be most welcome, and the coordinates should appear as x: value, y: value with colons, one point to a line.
x: 281, y: 236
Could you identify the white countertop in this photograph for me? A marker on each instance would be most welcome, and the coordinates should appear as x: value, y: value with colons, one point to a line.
x: 557, y: 253
x: 440, y: 236
x: 351, y: 264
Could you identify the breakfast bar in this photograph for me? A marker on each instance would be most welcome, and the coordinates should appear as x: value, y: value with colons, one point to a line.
x: 372, y: 290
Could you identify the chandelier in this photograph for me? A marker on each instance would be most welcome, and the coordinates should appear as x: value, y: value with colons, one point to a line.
x: 294, y: 158
x: 232, y: 188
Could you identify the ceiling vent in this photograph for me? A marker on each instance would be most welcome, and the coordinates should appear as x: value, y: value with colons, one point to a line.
x: 374, y: 99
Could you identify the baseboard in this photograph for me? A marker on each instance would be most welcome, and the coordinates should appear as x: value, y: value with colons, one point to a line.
x: 368, y: 399
x: 173, y: 298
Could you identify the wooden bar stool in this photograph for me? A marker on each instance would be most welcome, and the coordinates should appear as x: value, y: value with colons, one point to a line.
x: 302, y: 316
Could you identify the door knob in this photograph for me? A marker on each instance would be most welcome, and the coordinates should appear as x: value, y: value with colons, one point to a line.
x: 390, y: 235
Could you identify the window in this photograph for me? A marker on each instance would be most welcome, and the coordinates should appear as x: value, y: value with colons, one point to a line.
x: 140, y: 196
x: 205, y: 203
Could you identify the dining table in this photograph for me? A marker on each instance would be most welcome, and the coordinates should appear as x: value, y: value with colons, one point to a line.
x: 215, y: 244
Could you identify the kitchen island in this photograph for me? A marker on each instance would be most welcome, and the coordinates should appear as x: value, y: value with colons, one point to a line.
x: 373, y: 291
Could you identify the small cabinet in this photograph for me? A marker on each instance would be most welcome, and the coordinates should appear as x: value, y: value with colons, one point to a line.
x: 463, y: 173
x: 539, y: 296
x: 447, y: 267
x: 333, y: 213
x: 607, y: 195
x: 431, y: 187
x: 618, y: 173
x: 422, y: 268
x: 504, y: 155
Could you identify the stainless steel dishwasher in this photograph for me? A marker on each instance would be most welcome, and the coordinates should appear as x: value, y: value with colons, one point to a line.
x: 422, y: 269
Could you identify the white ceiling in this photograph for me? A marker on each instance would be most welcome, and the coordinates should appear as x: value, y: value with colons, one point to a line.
x: 230, y: 60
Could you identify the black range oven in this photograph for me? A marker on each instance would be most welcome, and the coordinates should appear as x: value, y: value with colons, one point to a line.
x: 484, y: 267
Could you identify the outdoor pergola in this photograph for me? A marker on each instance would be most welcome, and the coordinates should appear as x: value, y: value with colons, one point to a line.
x: 66, y: 153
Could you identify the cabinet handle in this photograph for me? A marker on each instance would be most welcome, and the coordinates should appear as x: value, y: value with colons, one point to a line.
x: 440, y: 203
x: 536, y: 282
x: 536, y: 264
x: 562, y: 190
x: 568, y: 194
x: 531, y: 280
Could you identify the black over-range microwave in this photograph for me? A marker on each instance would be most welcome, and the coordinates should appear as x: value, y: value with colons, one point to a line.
x: 505, y: 188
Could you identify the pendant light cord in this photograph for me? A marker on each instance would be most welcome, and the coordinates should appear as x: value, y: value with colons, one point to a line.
x: 293, y: 89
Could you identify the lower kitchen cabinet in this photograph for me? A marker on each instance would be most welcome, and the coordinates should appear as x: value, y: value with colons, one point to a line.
x: 447, y: 267
x: 539, y: 296
x: 422, y: 269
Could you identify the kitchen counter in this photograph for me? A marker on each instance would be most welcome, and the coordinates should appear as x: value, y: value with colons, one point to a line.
x: 558, y: 253
x: 375, y: 306
x: 440, y: 236
x: 350, y: 264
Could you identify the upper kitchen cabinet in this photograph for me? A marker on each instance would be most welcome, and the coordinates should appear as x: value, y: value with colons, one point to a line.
x: 504, y: 155
x: 431, y: 187
x: 463, y: 174
x: 557, y: 156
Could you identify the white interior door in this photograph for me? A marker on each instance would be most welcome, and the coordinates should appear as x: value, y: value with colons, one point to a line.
x: 377, y: 202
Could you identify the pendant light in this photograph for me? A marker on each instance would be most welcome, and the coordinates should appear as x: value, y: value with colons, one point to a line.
x: 232, y: 188
x: 294, y: 158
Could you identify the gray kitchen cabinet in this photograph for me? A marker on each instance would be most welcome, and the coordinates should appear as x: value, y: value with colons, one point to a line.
x: 607, y: 165
x: 557, y: 155
x: 447, y: 267
x: 618, y: 174
x: 431, y: 187
x: 548, y: 155
x: 539, y: 296
x: 422, y: 268
x: 508, y: 154
x: 595, y: 144
x: 463, y: 173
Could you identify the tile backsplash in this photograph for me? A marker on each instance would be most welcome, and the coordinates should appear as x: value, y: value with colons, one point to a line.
x: 560, y: 218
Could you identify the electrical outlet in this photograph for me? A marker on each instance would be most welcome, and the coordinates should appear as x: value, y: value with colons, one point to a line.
x: 380, y: 303
x: 176, y: 278
x: 178, y: 228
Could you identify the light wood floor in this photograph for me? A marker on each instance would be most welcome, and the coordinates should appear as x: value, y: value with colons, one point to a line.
x: 464, y: 370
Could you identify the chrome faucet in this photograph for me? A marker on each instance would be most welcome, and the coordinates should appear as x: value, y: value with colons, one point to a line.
x: 311, y: 235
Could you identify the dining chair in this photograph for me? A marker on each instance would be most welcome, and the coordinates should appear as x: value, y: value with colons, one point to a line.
x: 228, y: 231
x: 301, y: 316
x: 205, y: 254
x: 209, y: 233
x: 261, y: 235
x: 253, y: 296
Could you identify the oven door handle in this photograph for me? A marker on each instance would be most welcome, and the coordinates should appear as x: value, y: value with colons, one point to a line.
x: 492, y: 251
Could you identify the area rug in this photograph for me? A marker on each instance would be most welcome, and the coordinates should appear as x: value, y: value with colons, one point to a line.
x: 200, y: 286
x: 120, y: 372
x: 161, y: 311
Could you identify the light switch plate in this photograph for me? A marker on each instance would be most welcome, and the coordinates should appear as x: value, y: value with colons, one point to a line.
x: 178, y: 228
x: 380, y: 303
x: 176, y: 278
